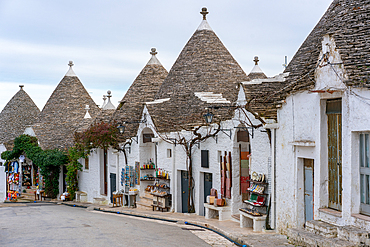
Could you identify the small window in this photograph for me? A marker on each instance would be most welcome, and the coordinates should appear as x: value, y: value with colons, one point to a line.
x: 364, y: 173
x: 169, y: 153
x: 334, y: 106
x: 219, y: 157
x: 243, y: 136
x: 205, y: 158
x: 147, y: 137
x: 87, y: 163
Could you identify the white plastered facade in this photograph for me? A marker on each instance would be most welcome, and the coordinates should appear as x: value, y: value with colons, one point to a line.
x: 174, y: 164
x: 302, y: 134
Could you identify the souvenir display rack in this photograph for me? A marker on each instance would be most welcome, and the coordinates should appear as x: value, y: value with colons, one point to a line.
x: 256, y: 202
x: 160, y: 188
x: 26, y: 175
x: 161, y: 200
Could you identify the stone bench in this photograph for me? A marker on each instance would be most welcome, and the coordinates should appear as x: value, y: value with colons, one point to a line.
x: 223, y: 213
x: 248, y: 220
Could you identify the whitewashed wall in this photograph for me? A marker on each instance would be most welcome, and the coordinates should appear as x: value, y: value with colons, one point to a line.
x: 2, y: 184
x: 259, y: 163
x: 90, y: 179
x: 302, y: 133
x: 2, y: 176
x: 2, y: 149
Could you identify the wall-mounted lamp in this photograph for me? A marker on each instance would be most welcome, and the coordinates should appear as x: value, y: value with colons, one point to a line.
x: 122, y: 127
x: 208, y: 117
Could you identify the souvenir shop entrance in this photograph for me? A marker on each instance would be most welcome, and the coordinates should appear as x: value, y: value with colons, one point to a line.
x: 21, y: 177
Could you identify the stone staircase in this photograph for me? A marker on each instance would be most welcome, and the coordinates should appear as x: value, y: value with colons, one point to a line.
x: 28, y: 196
x: 322, y: 234
x: 145, y: 202
x: 100, y: 201
x: 235, y: 217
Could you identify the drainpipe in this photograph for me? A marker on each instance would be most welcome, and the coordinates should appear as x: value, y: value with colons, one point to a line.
x: 273, y: 127
x: 273, y: 178
x: 174, y: 180
x: 118, y: 177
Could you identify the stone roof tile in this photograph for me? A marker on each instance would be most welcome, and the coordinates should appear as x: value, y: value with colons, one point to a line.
x: 64, y: 113
x: 347, y: 21
x: 204, y: 65
x: 18, y: 113
x: 143, y: 89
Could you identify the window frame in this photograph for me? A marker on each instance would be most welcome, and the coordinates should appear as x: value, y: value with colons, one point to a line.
x: 204, y: 159
x: 364, y: 172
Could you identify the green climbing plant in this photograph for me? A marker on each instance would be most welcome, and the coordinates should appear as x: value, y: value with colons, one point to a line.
x: 99, y: 135
x: 73, y: 166
x: 49, y: 161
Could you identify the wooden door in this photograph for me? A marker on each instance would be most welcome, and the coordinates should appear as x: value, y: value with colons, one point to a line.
x: 334, y: 114
x: 105, y: 172
x: 207, y: 185
x: 308, y: 189
x: 112, y: 177
x: 184, y: 190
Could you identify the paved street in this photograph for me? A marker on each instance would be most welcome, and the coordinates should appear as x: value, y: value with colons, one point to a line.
x: 59, y: 225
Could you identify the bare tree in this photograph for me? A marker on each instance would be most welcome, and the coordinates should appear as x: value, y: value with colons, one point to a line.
x: 188, y: 142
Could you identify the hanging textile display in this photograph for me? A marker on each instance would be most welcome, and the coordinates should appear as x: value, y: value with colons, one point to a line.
x: 223, y: 175
x: 228, y: 176
x: 244, y: 172
x: 12, y: 179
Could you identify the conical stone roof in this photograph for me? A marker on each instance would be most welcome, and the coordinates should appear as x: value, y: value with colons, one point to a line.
x: 256, y: 72
x: 347, y: 21
x: 64, y: 113
x: 19, y: 113
x: 204, y: 66
x: 143, y: 89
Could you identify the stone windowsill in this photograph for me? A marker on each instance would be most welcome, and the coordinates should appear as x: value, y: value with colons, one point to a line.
x: 330, y: 211
x: 303, y: 143
x: 361, y: 217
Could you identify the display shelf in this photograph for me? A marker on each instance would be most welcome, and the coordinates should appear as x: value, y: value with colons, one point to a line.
x: 149, y: 180
x: 256, y: 182
x: 256, y: 205
x: 149, y: 169
x: 257, y: 201
x: 262, y: 194
x: 161, y: 187
x: 162, y: 178
x: 159, y: 195
x: 250, y: 212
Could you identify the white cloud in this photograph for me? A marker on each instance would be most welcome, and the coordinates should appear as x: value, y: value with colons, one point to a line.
x: 110, y: 41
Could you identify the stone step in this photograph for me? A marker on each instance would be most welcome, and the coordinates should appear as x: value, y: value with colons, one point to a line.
x: 235, y: 217
x: 146, y: 200
x: 148, y: 195
x: 354, y: 235
x: 309, y: 239
x: 100, y: 201
x: 144, y: 206
x: 27, y: 196
x: 349, y: 233
x: 322, y: 228
x: 30, y: 190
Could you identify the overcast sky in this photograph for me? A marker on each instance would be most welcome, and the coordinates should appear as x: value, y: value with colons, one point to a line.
x: 109, y: 41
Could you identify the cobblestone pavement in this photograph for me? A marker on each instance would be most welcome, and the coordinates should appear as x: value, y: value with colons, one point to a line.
x: 210, y: 237
x: 58, y: 225
x: 229, y: 228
